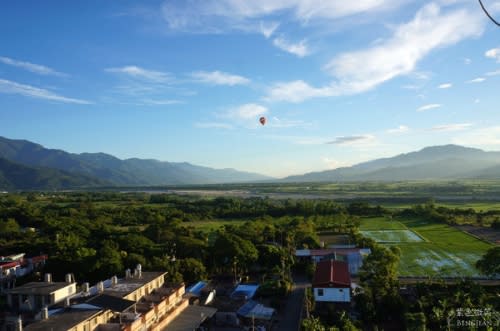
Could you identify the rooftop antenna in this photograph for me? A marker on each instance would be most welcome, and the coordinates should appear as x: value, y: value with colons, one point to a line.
x: 488, y: 14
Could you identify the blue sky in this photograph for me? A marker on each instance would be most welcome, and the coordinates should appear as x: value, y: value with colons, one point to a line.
x: 339, y: 82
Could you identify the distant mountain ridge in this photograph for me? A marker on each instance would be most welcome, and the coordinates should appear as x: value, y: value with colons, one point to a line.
x: 15, y: 176
x: 435, y: 162
x: 27, y: 165
x: 105, y: 168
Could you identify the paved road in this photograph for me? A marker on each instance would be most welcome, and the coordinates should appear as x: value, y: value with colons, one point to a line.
x: 290, y: 315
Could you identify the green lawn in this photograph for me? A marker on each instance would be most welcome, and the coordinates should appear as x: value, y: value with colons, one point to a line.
x: 444, y: 251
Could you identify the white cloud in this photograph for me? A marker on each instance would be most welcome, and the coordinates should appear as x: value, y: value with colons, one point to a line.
x: 467, y: 61
x: 352, y: 140
x: 297, y: 91
x: 400, y: 129
x: 208, y: 16
x: 141, y: 73
x: 32, y: 67
x: 429, y: 106
x: 493, y: 53
x: 276, y: 122
x: 219, y: 78
x: 430, y: 29
x: 488, y: 137
x: 299, y: 49
x: 493, y: 73
x: 10, y: 87
x: 451, y: 127
x: 476, y: 80
x: 445, y: 85
x: 334, y: 164
x: 411, y: 87
x: 213, y: 125
x: 267, y: 29
x: 161, y: 102
x: 247, y: 111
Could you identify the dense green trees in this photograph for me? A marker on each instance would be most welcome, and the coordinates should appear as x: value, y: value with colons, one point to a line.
x: 489, y: 264
x: 379, y: 300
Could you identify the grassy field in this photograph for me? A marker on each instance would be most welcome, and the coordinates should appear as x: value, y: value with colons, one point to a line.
x: 443, y: 250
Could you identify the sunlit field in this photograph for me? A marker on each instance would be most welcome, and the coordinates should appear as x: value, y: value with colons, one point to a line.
x: 428, y: 248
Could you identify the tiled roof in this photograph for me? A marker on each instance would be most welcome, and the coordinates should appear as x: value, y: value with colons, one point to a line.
x: 330, y: 273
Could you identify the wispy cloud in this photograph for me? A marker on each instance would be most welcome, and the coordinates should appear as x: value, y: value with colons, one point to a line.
x: 400, y: 129
x: 141, y: 73
x: 492, y: 73
x: 451, y: 127
x: 10, y: 87
x: 467, y: 61
x: 429, y: 107
x: 362, y: 70
x: 267, y: 28
x: 493, y: 53
x: 205, y: 16
x: 297, y: 91
x: 430, y: 29
x: 219, y: 78
x: 276, y: 122
x: 476, y: 80
x: 161, y: 102
x: 334, y: 164
x: 445, y: 85
x: 299, y: 49
x: 247, y: 111
x: 213, y: 125
x: 352, y: 140
x: 32, y: 67
x: 486, y: 137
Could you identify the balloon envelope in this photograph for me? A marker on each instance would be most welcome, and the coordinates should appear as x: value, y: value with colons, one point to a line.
x: 262, y: 120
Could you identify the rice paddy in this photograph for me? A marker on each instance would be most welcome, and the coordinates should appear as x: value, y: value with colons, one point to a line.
x: 428, y: 248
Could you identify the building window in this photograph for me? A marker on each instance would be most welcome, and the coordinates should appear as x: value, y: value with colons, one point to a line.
x: 320, y: 292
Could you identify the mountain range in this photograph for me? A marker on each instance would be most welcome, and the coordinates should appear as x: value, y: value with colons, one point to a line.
x: 27, y: 165
x: 34, y: 161
x: 435, y: 162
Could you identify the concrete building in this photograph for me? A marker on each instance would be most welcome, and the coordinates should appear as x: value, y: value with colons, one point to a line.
x: 139, y: 301
x: 17, y: 265
x: 34, y: 296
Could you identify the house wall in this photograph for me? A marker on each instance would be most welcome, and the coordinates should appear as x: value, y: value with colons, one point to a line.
x: 146, y: 288
x: 92, y: 323
x: 332, y: 294
x: 63, y: 293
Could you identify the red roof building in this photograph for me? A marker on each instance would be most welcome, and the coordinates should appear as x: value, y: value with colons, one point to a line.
x: 332, y: 282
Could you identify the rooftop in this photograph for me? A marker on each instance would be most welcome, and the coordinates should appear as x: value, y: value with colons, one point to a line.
x: 126, y: 286
x: 191, y: 318
x: 331, y: 273
x: 110, y: 302
x: 63, y: 321
x: 41, y: 288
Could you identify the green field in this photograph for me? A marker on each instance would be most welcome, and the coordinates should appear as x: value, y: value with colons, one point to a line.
x: 443, y: 250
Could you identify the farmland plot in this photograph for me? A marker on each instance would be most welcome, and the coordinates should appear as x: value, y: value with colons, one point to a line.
x: 428, y: 248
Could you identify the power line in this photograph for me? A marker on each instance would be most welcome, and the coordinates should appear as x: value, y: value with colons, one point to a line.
x: 488, y: 14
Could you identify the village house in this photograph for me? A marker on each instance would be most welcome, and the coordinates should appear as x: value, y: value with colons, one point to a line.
x: 332, y: 282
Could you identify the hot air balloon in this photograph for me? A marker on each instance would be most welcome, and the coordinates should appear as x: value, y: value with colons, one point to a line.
x: 262, y: 120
